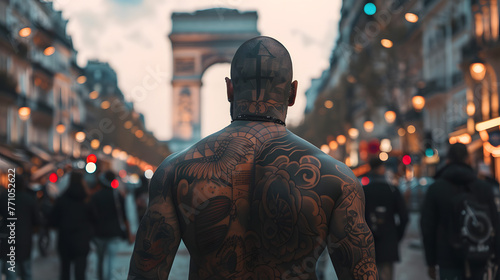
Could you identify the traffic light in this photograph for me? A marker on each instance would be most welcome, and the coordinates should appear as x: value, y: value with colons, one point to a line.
x: 370, y: 8
x: 53, y: 177
x: 429, y: 152
x: 91, y: 158
x: 406, y: 160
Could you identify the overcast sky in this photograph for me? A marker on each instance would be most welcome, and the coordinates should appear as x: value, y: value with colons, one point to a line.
x: 132, y: 35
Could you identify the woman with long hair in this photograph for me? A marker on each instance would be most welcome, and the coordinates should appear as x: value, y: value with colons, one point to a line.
x: 74, y: 218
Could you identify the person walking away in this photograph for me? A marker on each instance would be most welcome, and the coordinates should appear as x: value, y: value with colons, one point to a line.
x: 28, y: 218
x: 459, y: 222
x: 255, y: 201
x: 74, y: 219
x: 112, y: 223
x: 383, y: 203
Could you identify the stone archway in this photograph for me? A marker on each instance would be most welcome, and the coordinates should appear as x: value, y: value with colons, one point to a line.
x: 199, y: 40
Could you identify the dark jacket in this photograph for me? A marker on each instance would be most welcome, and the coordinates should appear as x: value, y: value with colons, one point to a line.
x: 28, y: 217
x: 436, y: 212
x: 381, y: 196
x: 108, y: 222
x: 75, y: 221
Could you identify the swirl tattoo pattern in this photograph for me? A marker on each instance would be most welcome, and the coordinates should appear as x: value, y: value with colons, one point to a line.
x: 254, y: 201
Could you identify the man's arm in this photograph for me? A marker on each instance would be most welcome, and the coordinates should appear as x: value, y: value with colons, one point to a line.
x: 158, y: 236
x: 350, y: 242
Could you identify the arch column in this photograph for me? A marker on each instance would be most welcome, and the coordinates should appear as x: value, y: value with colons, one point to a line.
x: 186, y: 109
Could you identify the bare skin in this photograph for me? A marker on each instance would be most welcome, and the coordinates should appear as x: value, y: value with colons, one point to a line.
x: 254, y: 201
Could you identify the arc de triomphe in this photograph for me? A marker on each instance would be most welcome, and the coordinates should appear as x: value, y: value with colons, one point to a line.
x: 199, y: 40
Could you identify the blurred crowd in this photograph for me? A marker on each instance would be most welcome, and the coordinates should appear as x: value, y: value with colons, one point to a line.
x: 88, y: 212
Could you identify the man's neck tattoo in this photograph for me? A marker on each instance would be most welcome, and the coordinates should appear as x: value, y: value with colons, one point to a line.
x: 257, y: 118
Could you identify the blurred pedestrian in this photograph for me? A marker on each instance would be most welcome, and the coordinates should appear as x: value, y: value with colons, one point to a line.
x: 45, y: 204
x: 459, y: 221
x: 112, y: 223
x: 383, y: 203
x: 28, y: 217
x: 74, y: 218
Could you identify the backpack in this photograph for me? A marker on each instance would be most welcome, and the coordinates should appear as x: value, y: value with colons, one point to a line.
x: 470, y: 227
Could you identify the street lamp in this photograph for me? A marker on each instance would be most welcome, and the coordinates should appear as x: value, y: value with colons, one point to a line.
x: 328, y: 104
x: 24, y: 114
x: 25, y: 32
x: 48, y: 51
x: 353, y: 133
x: 341, y: 139
x: 386, y: 43
x: 411, y: 17
x: 477, y: 71
x: 390, y: 116
x: 80, y: 136
x: 60, y: 128
x: 368, y: 126
x: 418, y: 102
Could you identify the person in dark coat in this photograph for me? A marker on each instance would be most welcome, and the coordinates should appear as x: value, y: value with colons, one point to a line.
x: 437, y: 212
x: 28, y: 218
x: 112, y: 223
x: 383, y: 203
x: 74, y: 218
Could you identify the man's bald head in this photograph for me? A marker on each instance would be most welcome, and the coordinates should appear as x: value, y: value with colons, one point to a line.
x: 261, y: 70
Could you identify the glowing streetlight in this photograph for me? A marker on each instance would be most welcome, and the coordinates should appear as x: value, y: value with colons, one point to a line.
x: 418, y: 102
x: 477, y: 71
x: 25, y: 32
x: 368, y: 126
x: 94, y: 144
x: 80, y: 136
x: 107, y: 149
x: 127, y: 125
x: 333, y: 145
x: 386, y: 43
x: 411, y: 17
x: 139, y: 134
x: 49, y: 51
x: 81, y: 80
x: 341, y: 139
x: 390, y: 116
x: 60, y: 128
x: 105, y: 105
x: 24, y: 113
x: 383, y: 156
x: 353, y: 133
x: 328, y: 104
x: 411, y: 129
x: 93, y: 95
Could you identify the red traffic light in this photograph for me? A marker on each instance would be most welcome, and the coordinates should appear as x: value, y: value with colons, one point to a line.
x: 91, y: 158
x: 406, y: 160
x: 365, y: 181
x: 115, y: 184
x: 53, y: 177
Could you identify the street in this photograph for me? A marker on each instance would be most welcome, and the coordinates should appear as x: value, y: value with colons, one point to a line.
x: 411, y: 267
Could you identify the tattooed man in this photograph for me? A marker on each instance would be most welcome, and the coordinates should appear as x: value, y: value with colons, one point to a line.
x: 254, y: 201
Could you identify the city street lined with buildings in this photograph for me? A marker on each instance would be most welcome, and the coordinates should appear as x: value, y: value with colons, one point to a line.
x: 405, y: 79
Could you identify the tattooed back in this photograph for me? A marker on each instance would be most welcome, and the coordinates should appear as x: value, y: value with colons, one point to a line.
x: 252, y: 201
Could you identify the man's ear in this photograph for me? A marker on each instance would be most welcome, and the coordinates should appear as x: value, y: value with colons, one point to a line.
x: 293, y: 93
x: 229, y: 88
